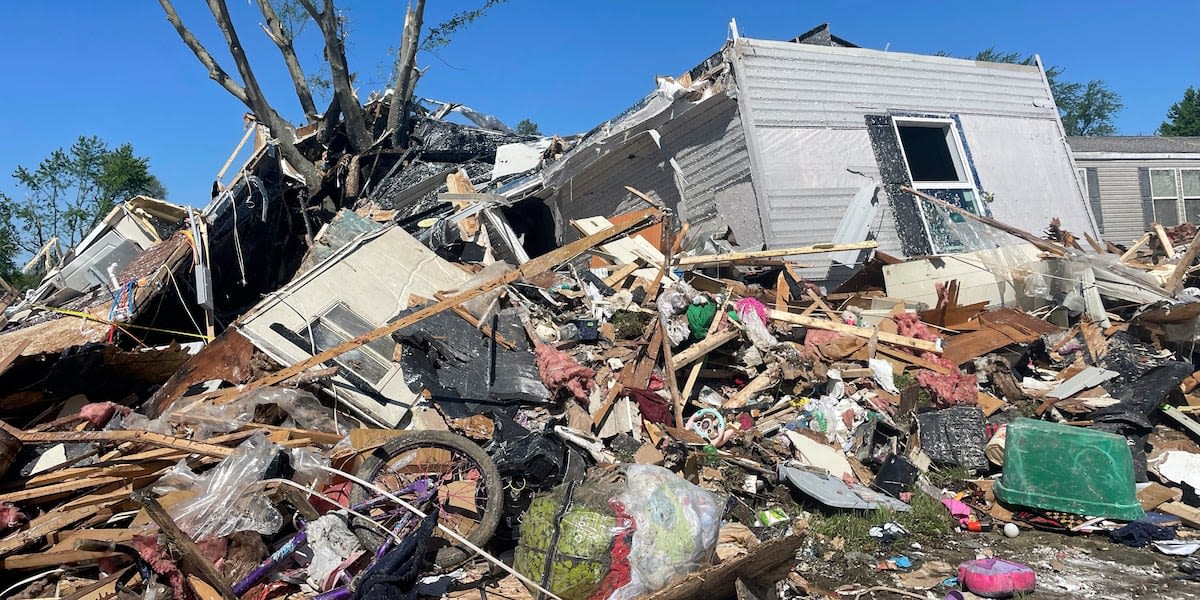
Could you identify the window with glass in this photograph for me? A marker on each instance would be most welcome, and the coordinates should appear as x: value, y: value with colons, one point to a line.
x: 1164, y: 194
x: 937, y: 165
x: 1190, y: 185
x: 338, y: 324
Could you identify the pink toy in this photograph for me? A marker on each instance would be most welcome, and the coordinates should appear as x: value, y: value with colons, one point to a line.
x: 996, y: 578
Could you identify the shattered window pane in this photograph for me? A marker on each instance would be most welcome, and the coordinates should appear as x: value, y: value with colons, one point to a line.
x: 1165, y: 213
x: 1191, y: 183
x: 1162, y: 184
x: 339, y: 324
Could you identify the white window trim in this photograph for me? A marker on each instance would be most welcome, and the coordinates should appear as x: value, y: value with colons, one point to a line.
x: 1178, y: 198
x: 1081, y: 175
x: 958, y: 154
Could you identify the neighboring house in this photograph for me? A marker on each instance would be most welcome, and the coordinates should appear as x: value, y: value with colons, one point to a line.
x: 809, y: 141
x: 1137, y: 181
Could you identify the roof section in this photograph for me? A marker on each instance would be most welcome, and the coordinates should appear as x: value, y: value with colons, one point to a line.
x: 821, y: 36
x: 1134, y: 144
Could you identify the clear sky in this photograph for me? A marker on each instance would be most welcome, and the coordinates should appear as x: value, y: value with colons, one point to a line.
x: 117, y: 69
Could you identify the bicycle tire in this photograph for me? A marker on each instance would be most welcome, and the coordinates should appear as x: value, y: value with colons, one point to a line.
x: 450, y: 554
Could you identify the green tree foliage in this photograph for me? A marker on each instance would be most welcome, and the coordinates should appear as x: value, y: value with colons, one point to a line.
x: 1086, y: 109
x: 527, y: 127
x: 1183, y: 118
x: 67, y: 194
x: 439, y: 36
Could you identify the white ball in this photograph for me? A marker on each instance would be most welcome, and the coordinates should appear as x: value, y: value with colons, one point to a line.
x: 1011, y: 530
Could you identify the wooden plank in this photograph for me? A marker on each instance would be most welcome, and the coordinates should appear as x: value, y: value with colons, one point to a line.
x: 46, y: 491
x: 43, y: 525
x: 620, y: 274
x: 1188, y: 514
x: 735, y: 257
x: 913, y: 360
x: 1167, y: 246
x: 718, y: 582
x: 191, y: 559
x: 862, y: 332
x: 536, y: 266
x: 1182, y: 265
x: 701, y: 349
x: 52, y: 558
x: 1133, y: 250
x: 669, y: 367
x: 601, y: 413
x: 141, y: 437
x: 765, y: 380
x: 8, y: 359
x: 1187, y: 422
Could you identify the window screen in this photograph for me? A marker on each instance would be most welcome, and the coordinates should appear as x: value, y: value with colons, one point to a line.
x: 1162, y: 184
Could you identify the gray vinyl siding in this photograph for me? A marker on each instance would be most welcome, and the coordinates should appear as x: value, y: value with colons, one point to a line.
x: 801, y: 85
x: 1120, y: 192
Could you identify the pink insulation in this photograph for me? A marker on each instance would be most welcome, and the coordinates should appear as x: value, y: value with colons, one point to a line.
x: 953, y: 389
x: 910, y: 325
x: 558, y: 370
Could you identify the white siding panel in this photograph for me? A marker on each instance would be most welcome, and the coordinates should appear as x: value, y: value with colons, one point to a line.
x: 1027, y: 166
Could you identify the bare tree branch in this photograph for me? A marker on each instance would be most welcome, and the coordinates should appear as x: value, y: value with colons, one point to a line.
x: 403, y: 83
x: 283, y: 132
x: 284, y: 43
x: 215, y: 72
x: 335, y: 54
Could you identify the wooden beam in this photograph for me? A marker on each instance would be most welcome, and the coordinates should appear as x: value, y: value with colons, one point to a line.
x: 621, y: 273
x: 175, y: 539
x: 669, y: 367
x: 536, y: 266
x: 701, y: 348
x: 1133, y: 250
x: 141, y: 437
x: 765, y: 380
x: 1168, y: 247
x: 733, y: 257
x: 862, y: 332
x: 1182, y: 265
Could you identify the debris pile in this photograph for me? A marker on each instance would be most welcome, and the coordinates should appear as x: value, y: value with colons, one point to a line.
x: 451, y: 388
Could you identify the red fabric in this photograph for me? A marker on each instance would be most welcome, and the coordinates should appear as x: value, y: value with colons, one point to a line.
x: 654, y: 408
x: 558, y: 371
x: 619, y: 574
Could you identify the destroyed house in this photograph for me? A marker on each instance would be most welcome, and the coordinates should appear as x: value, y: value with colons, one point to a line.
x: 1133, y: 182
x: 790, y: 143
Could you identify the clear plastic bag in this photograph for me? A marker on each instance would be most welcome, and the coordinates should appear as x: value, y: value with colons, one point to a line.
x: 618, y: 538
x: 303, y: 408
x: 228, y: 499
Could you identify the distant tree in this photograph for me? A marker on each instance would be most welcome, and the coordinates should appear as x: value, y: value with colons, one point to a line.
x: 527, y: 127
x: 67, y: 194
x: 1086, y: 109
x: 1183, y: 118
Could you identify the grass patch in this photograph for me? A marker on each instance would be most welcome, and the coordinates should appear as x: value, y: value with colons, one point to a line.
x: 927, y: 519
x: 949, y: 477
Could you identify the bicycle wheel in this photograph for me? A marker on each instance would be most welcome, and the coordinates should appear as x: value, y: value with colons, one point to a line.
x: 469, y: 490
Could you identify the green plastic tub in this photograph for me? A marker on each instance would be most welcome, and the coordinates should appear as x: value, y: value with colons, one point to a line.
x: 1068, y: 469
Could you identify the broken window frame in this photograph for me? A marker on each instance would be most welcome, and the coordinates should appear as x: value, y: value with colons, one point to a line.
x: 962, y: 192
x: 342, y: 332
x: 1172, y: 199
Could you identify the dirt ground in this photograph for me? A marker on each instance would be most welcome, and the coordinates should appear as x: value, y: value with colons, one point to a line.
x: 1067, y: 567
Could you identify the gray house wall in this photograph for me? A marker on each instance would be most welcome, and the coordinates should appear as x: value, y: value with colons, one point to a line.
x: 805, y: 110
x: 1120, y: 190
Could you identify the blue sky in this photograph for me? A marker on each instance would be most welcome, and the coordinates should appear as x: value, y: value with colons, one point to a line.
x: 118, y: 69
